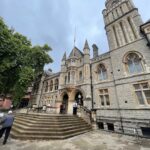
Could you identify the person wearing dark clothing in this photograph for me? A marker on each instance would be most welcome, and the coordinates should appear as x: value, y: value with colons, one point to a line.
x: 6, y: 123
x: 75, y: 106
x: 61, y: 109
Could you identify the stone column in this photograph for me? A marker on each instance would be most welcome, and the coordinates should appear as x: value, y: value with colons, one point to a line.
x: 125, y: 8
x: 124, y: 24
x: 121, y: 35
x: 136, y: 31
x: 111, y: 39
x: 118, y: 38
x: 129, y: 31
x: 119, y: 11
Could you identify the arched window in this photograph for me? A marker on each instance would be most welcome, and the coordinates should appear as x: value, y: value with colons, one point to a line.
x: 102, y: 72
x: 133, y: 63
x: 46, y: 87
x: 80, y: 75
x: 73, y: 77
x: 56, y: 84
x: 65, y: 80
x: 51, y: 85
x: 68, y: 77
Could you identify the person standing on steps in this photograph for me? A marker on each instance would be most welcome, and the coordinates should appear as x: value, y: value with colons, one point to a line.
x: 75, y: 106
x: 61, y: 109
x: 6, y: 122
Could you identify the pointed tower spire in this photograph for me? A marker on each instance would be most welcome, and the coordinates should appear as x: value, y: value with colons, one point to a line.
x: 86, y: 46
x: 64, y: 57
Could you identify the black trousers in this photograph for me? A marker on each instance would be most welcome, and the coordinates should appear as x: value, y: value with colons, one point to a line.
x: 74, y: 110
x: 7, y: 132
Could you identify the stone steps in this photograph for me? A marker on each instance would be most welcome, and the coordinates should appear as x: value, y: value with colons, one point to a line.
x: 31, y: 126
x: 49, y: 132
x: 45, y: 137
x: 47, y: 125
x: 48, y: 128
x: 49, y: 121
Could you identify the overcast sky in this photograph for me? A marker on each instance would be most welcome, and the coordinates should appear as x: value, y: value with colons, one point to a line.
x: 54, y: 22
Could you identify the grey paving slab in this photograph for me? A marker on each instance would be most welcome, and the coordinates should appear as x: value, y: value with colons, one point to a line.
x: 96, y: 140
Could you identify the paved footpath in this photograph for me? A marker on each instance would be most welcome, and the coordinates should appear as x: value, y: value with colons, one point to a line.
x: 95, y: 140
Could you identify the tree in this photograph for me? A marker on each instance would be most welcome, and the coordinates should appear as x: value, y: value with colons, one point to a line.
x: 20, y: 62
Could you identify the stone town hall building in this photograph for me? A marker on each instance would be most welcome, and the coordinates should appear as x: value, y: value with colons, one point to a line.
x: 116, y: 84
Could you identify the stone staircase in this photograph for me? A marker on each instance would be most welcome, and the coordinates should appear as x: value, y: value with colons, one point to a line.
x: 44, y: 127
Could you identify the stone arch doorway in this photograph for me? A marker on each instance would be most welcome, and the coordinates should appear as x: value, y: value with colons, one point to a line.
x: 79, y: 98
x: 65, y: 103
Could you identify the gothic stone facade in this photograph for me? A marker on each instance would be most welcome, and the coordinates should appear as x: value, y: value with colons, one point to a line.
x: 115, y: 84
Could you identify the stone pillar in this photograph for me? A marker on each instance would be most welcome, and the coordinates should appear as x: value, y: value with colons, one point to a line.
x: 129, y: 31
x: 126, y: 31
x: 111, y: 40
x: 122, y: 39
x: 110, y: 17
x: 125, y: 8
x: 115, y: 14
x: 118, y: 38
x: 119, y: 11
x: 136, y: 31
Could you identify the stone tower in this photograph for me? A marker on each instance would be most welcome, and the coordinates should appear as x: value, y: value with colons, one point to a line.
x: 122, y: 22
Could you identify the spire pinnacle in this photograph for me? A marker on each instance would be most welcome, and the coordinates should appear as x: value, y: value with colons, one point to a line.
x: 86, y: 46
x: 64, y: 57
x: 75, y: 36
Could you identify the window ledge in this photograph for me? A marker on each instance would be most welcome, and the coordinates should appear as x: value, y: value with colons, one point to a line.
x: 136, y: 74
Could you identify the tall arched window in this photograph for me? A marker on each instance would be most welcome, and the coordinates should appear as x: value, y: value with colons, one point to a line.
x: 134, y: 63
x: 56, y: 84
x: 68, y: 77
x: 102, y: 72
x: 73, y: 76
x: 65, y: 80
x: 46, y: 87
x: 51, y: 85
x: 80, y: 75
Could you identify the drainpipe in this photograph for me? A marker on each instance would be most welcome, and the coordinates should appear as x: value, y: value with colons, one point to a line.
x: 116, y: 93
x: 91, y: 86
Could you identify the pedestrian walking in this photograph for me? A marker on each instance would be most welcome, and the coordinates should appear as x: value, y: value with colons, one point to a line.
x: 6, y: 122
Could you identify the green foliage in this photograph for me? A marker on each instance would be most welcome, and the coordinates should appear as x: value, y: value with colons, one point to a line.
x: 20, y: 62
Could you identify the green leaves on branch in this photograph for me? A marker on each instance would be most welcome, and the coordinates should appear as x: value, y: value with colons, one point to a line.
x: 20, y: 62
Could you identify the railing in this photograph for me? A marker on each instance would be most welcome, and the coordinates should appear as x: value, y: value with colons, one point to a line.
x: 85, y: 113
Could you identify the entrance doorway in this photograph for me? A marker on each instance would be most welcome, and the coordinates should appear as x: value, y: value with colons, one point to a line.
x: 65, y: 104
x: 79, y: 98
